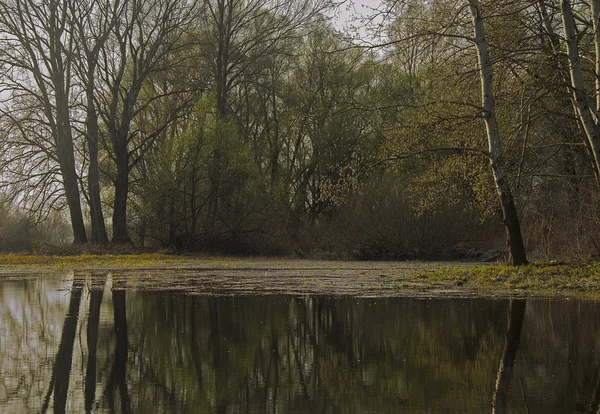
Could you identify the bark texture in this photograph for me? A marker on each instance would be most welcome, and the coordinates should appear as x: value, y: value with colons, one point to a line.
x: 514, y: 238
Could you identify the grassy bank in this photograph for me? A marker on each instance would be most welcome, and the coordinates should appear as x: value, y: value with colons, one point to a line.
x: 536, y: 279
x: 94, y: 260
x: 576, y: 279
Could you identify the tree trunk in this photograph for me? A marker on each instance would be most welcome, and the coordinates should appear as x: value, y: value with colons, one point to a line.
x: 595, y: 8
x: 120, y: 234
x: 66, y: 159
x: 99, y: 234
x: 587, y: 115
x: 563, y: 67
x: 223, y: 21
x: 514, y: 238
x: 59, y: 74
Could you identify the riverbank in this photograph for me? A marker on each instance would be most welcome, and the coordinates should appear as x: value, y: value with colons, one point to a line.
x: 287, y: 276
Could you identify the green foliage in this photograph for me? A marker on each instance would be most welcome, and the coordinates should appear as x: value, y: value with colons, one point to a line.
x: 280, y: 136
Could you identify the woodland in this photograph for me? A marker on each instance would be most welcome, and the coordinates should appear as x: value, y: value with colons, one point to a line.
x: 437, y: 129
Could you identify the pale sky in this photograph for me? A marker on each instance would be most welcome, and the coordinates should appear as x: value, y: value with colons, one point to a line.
x: 348, y: 16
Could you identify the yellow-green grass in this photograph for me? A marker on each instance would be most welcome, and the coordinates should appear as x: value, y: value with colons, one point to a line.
x: 93, y: 260
x: 582, y: 279
x: 573, y: 279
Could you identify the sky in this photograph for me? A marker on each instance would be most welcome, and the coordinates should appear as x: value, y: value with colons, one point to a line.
x: 349, y: 14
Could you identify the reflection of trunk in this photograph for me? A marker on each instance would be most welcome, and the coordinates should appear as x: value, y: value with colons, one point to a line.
x: 196, y: 351
x: 118, y: 375
x: 274, y: 364
x: 92, y: 339
x: 516, y: 315
x: 62, y: 366
x: 510, y: 217
x: 594, y: 406
x: 215, y: 343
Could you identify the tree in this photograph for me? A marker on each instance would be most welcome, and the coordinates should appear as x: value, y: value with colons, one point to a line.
x: 514, y: 238
x: 583, y: 104
x: 141, y: 46
x: 92, y: 22
x: 240, y: 32
x: 37, y: 68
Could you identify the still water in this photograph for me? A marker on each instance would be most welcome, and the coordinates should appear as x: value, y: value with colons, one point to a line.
x: 82, y: 344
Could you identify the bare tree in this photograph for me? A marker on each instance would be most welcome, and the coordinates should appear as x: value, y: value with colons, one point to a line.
x: 36, y: 58
x: 92, y: 22
x: 141, y: 45
x: 240, y: 32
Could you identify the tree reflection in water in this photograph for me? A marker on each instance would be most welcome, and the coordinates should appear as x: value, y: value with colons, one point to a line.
x: 164, y: 352
x: 96, y: 293
x: 516, y: 315
x: 118, y: 376
x: 59, y: 381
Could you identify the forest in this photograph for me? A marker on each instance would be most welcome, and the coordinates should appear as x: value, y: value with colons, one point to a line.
x: 439, y: 129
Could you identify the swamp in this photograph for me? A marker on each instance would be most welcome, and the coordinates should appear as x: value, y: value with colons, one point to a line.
x: 312, y: 206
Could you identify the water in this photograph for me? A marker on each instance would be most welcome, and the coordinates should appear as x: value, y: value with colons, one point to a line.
x: 81, y: 344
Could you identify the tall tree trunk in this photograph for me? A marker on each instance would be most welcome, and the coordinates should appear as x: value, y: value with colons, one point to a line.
x: 66, y: 159
x: 516, y: 315
x: 223, y: 19
x: 587, y: 114
x: 595, y: 8
x: 99, y: 234
x: 514, y: 238
x: 563, y: 67
x: 120, y: 234
x: 59, y: 73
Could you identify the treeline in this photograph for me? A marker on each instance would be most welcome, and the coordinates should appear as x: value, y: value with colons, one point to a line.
x: 258, y: 127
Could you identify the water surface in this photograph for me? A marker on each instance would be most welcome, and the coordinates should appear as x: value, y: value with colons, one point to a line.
x: 86, y: 343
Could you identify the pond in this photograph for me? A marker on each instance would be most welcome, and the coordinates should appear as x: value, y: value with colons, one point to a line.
x: 86, y: 343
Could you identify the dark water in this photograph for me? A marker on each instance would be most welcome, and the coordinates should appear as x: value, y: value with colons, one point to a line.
x: 80, y: 345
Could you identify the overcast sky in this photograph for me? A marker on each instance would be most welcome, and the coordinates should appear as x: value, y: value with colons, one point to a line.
x: 350, y: 13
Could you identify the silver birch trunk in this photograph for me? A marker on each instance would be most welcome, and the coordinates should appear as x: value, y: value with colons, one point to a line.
x: 514, y: 237
x: 586, y: 113
x: 563, y: 66
x: 595, y: 7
